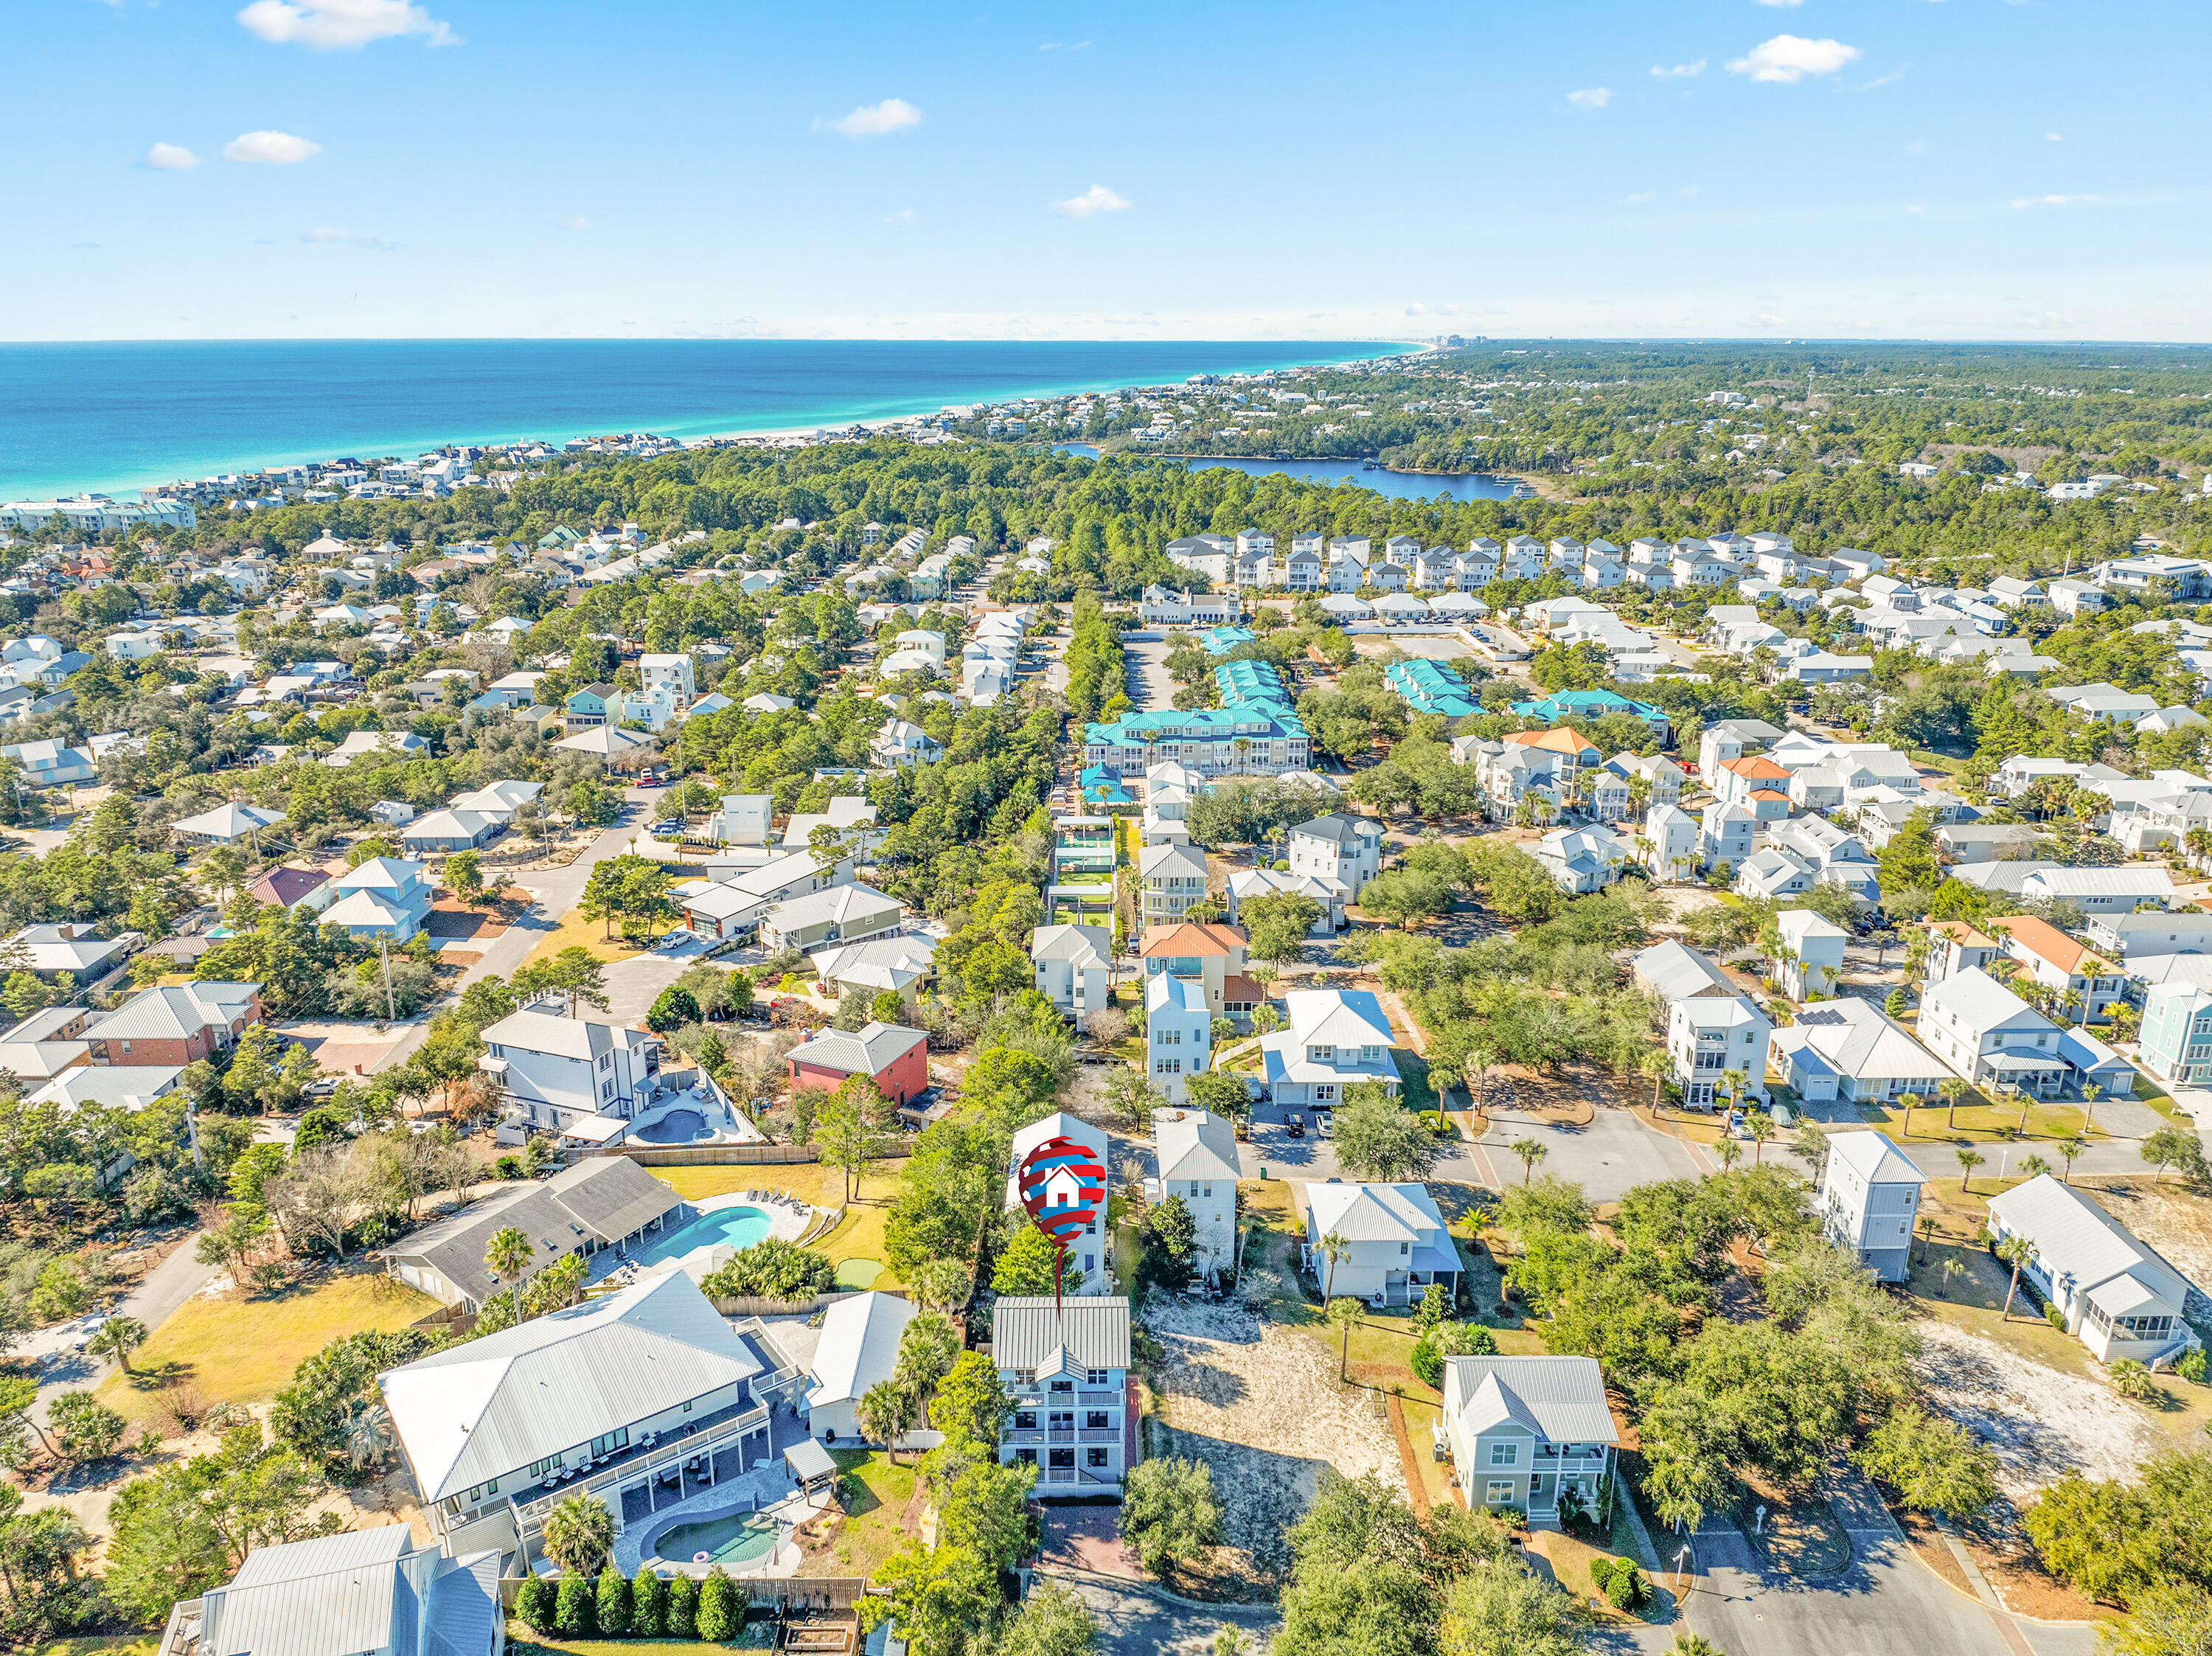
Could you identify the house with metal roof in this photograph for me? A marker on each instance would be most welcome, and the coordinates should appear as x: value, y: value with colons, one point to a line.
x: 1985, y: 1033
x: 901, y: 964
x: 225, y: 825
x: 1336, y: 1038
x: 1869, y: 1199
x: 559, y: 1071
x: 376, y: 744
x: 838, y: 914
x: 891, y: 1056
x: 2119, y: 1296
x: 76, y: 950
x: 448, y: 831
x: 500, y: 800
x: 1065, y: 1364
x: 2098, y: 890
x: 608, y: 1395
x: 1092, y: 1253
x: 174, y: 1024
x: 1196, y: 1153
x: 1525, y: 1432
x: 384, y: 899
x: 602, y: 1202
x: 1851, y: 1049
x: 1341, y: 846
x: 1074, y: 967
x: 1591, y: 705
x: 1397, y: 1242
x: 859, y: 1349
x: 362, y: 1592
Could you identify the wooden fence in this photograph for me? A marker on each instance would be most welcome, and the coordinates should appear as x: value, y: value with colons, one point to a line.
x: 734, y: 1156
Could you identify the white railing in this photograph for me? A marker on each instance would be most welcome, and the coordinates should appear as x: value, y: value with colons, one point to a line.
x: 672, y: 1451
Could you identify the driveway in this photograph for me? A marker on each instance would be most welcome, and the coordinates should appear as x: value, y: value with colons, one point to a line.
x: 157, y: 1296
x: 1151, y: 686
x: 1613, y: 1154
x: 1131, y: 1621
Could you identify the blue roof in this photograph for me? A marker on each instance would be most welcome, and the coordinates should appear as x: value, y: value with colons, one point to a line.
x: 1587, y: 704
x: 1220, y: 640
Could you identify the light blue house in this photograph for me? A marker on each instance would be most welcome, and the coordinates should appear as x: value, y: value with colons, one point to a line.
x: 1178, y: 1031
x: 2177, y: 1034
x: 1587, y: 705
x: 1428, y: 689
x: 386, y: 898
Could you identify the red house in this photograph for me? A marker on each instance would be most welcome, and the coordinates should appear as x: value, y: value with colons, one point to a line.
x: 892, y: 1057
x: 179, y: 1023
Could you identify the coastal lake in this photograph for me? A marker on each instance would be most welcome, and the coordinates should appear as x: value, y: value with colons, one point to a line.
x: 1392, y: 485
x: 116, y: 416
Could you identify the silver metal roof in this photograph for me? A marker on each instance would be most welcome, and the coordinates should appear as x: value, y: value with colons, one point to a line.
x: 1093, y: 1329
x: 1560, y: 1398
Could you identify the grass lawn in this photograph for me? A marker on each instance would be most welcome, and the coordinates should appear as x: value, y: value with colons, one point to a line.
x: 757, y: 1635
x: 877, y: 1493
x: 240, y: 1349
x: 1414, y: 1087
x: 575, y: 929
x: 1570, y: 1558
x: 858, y: 1235
x: 1982, y: 1123
x: 120, y: 1644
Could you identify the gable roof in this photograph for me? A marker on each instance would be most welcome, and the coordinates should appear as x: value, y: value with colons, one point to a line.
x: 2077, y: 1239
x: 1982, y: 1002
x: 1559, y: 741
x: 1192, y: 937
x: 1374, y: 1213
x: 859, y: 1346
x: 867, y: 1051
x: 175, y: 1012
x: 487, y: 1407
x: 1560, y: 1399
x: 1345, y: 1017
x: 2042, y: 938
x: 1072, y: 942
x: 1027, y: 1331
x: 1874, y: 1159
x: 287, y: 885
x: 608, y: 1196
x: 1858, y: 1039
x: 1196, y: 1145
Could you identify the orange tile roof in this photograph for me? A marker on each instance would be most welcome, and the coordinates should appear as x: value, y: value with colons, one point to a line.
x: 1959, y: 933
x: 1769, y: 793
x: 1561, y: 740
x: 2042, y: 938
x: 1192, y: 937
x: 1756, y: 769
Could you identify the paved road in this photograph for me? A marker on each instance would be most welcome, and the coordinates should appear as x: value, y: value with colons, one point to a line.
x: 157, y: 1296
x: 1614, y: 1153
x: 1133, y: 1622
x: 1151, y: 686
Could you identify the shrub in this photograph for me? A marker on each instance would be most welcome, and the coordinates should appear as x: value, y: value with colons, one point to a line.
x: 681, y: 1612
x: 1619, y: 1582
x: 613, y: 1607
x: 533, y: 1603
x: 773, y: 1269
x: 2191, y: 1366
x: 573, y: 1607
x: 2054, y: 1317
x: 2132, y: 1380
x: 720, y: 1613
x: 1449, y: 1340
x: 648, y: 1605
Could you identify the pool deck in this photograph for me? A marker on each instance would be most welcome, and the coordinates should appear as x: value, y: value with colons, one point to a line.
x: 785, y: 1222
x: 768, y: 1490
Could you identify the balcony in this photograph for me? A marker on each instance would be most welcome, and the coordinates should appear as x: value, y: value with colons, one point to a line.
x: 636, y: 1462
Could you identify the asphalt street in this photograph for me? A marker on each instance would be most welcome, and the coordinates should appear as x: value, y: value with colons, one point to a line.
x: 156, y: 1299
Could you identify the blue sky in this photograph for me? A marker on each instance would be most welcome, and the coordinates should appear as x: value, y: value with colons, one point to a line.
x: 1942, y: 168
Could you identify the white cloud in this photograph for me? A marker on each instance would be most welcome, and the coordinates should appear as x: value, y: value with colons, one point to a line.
x: 1591, y: 97
x: 1781, y: 2
x: 873, y: 120
x: 1792, y: 57
x: 2055, y: 137
x: 573, y: 221
x: 1417, y: 308
x: 1640, y: 195
x: 1064, y: 45
x: 2052, y: 201
x: 1680, y: 71
x: 904, y: 215
x: 342, y: 25
x: 348, y: 237
x: 1096, y: 199
x: 276, y: 148
x: 171, y: 157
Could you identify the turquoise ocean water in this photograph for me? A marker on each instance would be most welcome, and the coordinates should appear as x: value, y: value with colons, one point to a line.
x: 114, y: 417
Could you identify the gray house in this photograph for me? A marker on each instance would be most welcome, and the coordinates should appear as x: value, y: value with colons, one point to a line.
x: 1522, y: 1431
x: 1869, y: 1199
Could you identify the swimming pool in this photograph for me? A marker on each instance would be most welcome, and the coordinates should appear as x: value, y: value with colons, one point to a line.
x: 740, y: 1226
x: 733, y: 1539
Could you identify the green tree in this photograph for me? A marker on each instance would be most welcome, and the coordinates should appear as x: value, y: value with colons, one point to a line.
x: 508, y: 1256
x: 1933, y: 1464
x: 1026, y: 1265
x: 1052, y: 1622
x: 117, y: 1338
x: 1529, y: 1151
x: 845, y: 1135
x: 576, y: 1605
x: 612, y: 1608
x: 580, y: 1533
x: 886, y: 1412
x: 971, y: 1402
x: 83, y: 1428
x: 671, y: 1009
x: 1379, y: 1139
x: 1278, y: 924
x: 465, y: 874
x: 1169, y: 1513
x: 648, y: 1603
x: 683, y: 1611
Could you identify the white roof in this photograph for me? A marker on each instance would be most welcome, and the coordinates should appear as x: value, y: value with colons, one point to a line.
x: 1874, y: 1158
x: 1559, y: 1399
x: 446, y: 825
x: 1982, y: 1002
x: 606, y: 739
x: 1082, y: 943
x: 491, y: 1406
x: 229, y: 821
x: 859, y: 1346
x: 1342, y: 1017
x: 1194, y: 1144
x: 1859, y: 1039
x: 546, y: 1031
x: 2077, y: 1242
x: 1374, y: 1213
x: 836, y: 903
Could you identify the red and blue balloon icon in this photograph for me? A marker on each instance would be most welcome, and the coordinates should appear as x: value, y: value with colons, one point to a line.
x: 1062, y: 1184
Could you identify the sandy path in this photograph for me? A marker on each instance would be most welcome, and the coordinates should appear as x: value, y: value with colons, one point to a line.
x: 2042, y: 1423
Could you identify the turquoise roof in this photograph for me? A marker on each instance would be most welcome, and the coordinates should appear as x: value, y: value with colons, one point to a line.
x: 1220, y: 640
x: 1587, y: 704
x: 1429, y: 688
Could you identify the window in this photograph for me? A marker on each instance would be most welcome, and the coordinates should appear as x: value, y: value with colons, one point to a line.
x: 1095, y: 1377
x: 1505, y: 1454
x: 1208, y: 1191
x: 1097, y: 1420
x: 1168, y: 1066
x: 540, y: 1468
x: 1062, y: 1420
x: 607, y: 1443
x: 1170, y: 1038
x: 1064, y: 1458
x: 1405, y: 1248
x: 1097, y: 1455
x: 1025, y: 1456
x: 687, y: 1406
x: 605, y: 1059
x: 1025, y: 1420
x: 1500, y: 1491
x: 1061, y: 1386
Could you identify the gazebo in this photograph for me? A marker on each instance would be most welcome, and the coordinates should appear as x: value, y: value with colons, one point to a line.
x: 811, y: 1466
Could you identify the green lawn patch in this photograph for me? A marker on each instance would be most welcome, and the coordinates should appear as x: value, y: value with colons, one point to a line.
x: 859, y: 1273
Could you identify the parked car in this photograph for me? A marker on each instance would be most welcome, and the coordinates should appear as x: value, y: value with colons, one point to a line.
x: 1324, y: 1124
x: 1295, y: 1126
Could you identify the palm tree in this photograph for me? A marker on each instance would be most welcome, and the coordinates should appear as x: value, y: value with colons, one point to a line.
x: 1952, y: 1271
x: 1229, y: 1642
x: 560, y: 1283
x: 1728, y: 1152
x: 2070, y: 1147
x: 1951, y: 1090
x: 508, y: 1256
x: 578, y: 1533
x: 887, y: 1411
x: 1759, y: 1127
x: 1531, y: 1151
x: 1911, y: 1103
x: 2034, y: 1166
x: 2014, y: 1251
x: 2091, y: 1092
x: 367, y: 1434
x: 117, y: 1338
x: 1968, y: 1161
x: 1333, y: 1247
x: 1476, y: 1071
x: 1927, y: 1235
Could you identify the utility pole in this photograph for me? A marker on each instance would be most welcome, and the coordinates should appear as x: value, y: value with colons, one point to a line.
x: 391, y: 1012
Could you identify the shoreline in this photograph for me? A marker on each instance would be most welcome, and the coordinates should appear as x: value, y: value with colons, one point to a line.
x: 855, y: 409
